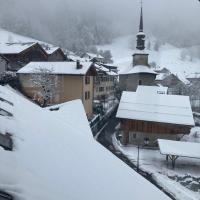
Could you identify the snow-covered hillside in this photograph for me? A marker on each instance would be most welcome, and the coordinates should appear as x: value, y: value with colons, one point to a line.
x: 10, y: 37
x: 168, y: 56
x: 55, y: 156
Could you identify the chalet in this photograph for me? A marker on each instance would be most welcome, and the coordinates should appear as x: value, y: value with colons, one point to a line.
x: 175, y: 84
x: 146, y: 115
x: 74, y: 80
x: 140, y: 72
x: 55, y: 54
x: 104, y: 83
x: 19, y: 54
x: 95, y: 58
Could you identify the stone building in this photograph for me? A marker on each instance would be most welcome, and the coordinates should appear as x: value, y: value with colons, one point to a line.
x: 139, y: 73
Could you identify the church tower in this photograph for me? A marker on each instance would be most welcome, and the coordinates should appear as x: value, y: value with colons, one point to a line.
x: 139, y: 73
x: 140, y: 57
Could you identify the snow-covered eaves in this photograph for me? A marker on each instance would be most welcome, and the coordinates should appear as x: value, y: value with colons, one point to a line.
x: 154, y: 107
x: 101, y: 68
x: 138, y: 69
x: 56, y: 68
x: 15, y: 48
x: 55, y: 159
x: 179, y: 148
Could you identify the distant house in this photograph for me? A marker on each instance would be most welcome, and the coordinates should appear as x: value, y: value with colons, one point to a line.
x: 163, y: 71
x: 55, y: 54
x: 146, y: 115
x: 19, y: 54
x: 95, y: 58
x: 174, y: 83
x: 74, y: 81
x: 4, y: 64
x: 193, y: 78
x: 104, y: 83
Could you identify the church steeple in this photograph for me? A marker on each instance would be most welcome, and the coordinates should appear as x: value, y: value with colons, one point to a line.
x: 141, y: 34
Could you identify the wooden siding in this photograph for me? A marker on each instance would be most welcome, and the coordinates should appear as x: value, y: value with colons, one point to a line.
x: 153, y: 127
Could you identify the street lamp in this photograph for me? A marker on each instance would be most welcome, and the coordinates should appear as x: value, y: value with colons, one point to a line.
x: 146, y: 143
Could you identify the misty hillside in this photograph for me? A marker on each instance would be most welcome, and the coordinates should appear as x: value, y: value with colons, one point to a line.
x: 80, y: 26
x: 180, y: 61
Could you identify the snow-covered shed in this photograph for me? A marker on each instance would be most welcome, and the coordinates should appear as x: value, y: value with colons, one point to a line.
x: 149, y: 115
x: 73, y: 80
x: 56, y: 158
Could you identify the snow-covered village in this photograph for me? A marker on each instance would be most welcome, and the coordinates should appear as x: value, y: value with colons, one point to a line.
x: 100, y: 100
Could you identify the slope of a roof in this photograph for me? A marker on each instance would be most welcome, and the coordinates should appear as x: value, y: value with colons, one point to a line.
x: 14, y: 48
x: 172, y: 109
x: 53, y: 159
x: 56, y: 68
x: 138, y: 69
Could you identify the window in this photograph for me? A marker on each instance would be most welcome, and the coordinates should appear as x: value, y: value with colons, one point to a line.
x: 87, y: 80
x: 87, y: 95
x: 140, y: 82
x: 101, y: 89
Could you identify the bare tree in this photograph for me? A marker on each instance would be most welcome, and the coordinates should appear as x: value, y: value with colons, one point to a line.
x: 46, y: 84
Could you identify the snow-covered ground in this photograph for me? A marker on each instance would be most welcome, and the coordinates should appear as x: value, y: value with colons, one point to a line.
x: 56, y: 157
x: 175, y: 181
x: 168, y: 56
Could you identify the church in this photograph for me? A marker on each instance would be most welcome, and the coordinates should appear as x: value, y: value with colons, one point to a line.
x: 139, y: 73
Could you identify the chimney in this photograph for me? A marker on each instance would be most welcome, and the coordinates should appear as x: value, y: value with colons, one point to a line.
x: 78, y: 65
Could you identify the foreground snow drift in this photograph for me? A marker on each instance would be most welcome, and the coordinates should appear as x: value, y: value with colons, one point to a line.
x: 54, y: 158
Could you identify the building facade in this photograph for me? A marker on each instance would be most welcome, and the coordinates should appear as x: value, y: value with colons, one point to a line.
x: 73, y: 81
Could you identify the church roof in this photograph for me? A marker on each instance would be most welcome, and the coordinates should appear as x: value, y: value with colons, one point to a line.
x: 138, y: 69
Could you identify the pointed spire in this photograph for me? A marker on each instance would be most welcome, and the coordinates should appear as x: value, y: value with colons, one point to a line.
x: 141, y: 20
x: 141, y: 34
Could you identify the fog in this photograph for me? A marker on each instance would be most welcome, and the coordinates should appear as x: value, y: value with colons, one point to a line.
x: 72, y: 23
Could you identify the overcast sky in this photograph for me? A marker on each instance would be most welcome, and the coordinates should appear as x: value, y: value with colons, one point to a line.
x: 168, y: 17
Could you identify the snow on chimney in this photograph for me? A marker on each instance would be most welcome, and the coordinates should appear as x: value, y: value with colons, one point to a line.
x: 78, y: 65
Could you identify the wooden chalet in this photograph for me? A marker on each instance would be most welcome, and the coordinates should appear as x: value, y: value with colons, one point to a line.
x: 19, y: 54
x: 148, y: 116
x: 55, y: 54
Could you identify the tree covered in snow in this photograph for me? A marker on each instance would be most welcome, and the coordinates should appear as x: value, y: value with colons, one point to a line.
x: 46, y: 84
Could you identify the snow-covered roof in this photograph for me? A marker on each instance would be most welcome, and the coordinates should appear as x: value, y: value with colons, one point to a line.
x: 14, y: 48
x: 161, y: 76
x: 65, y: 112
x: 56, y: 67
x: 150, y: 106
x: 193, y: 76
x: 138, y: 69
x: 53, y: 159
x: 104, y: 69
x: 177, y: 148
x: 152, y: 89
x: 51, y: 50
x: 92, y: 55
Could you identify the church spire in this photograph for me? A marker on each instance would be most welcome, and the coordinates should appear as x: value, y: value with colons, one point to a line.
x: 141, y: 34
x: 141, y: 20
